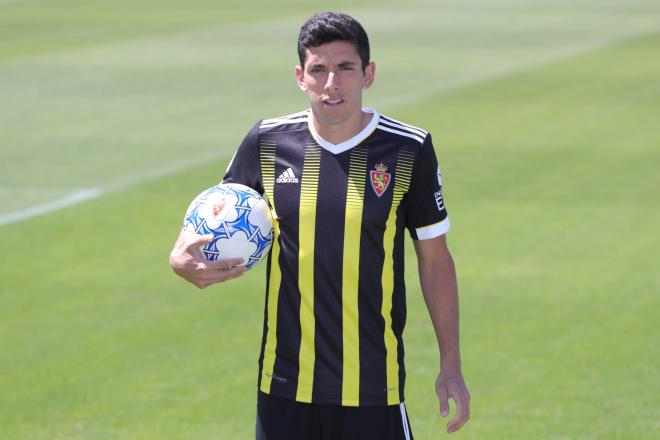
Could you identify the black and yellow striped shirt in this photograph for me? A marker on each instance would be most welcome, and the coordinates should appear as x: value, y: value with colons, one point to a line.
x: 335, y: 302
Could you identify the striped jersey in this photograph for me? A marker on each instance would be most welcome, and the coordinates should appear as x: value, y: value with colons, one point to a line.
x: 335, y: 297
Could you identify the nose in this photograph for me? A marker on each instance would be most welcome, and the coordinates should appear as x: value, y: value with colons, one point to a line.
x: 332, y: 82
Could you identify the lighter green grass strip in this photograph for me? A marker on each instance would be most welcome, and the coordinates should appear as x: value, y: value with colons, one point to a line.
x: 81, y: 196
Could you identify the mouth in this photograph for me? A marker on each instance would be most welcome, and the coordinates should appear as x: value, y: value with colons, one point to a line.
x: 332, y: 102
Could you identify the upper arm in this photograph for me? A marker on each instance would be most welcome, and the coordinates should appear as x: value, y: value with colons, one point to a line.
x: 432, y: 250
x: 426, y: 215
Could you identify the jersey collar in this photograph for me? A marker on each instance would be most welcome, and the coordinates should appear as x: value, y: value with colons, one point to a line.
x: 352, y: 142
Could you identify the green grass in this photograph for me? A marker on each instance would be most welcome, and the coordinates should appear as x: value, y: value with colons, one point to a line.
x: 550, y: 181
x: 552, y: 176
x: 97, y: 94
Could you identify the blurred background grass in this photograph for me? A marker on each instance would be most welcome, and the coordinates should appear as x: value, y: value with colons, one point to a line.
x: 545, y: 120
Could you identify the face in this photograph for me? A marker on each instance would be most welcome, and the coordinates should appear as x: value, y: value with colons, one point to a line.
x: 333, y: 79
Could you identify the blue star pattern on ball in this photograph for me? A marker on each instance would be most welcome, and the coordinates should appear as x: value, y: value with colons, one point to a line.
x: 239, y: 219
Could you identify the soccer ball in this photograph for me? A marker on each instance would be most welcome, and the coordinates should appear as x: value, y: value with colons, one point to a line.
x: 239, y: 219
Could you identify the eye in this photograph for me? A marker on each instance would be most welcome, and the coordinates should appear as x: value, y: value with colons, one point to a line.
x: 316, y: 69
x: 346, y: 67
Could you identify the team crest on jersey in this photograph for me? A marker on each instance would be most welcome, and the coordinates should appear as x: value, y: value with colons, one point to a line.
x: 380, y: 179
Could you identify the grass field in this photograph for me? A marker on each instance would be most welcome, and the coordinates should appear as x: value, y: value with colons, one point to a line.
x: 545, y: 117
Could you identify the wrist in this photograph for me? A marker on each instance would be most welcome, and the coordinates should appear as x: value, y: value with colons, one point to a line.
x: 450, y: 365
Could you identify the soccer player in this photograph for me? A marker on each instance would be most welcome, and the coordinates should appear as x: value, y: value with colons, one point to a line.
x: 344, y: 183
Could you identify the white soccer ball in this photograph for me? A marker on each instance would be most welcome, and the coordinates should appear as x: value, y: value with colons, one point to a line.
x: 239, y: 219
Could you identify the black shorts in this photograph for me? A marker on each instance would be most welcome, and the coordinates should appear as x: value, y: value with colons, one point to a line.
x: 284, y: 419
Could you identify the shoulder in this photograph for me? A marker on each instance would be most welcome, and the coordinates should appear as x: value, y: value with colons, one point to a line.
x: 402, y: 130
x: 294, y: 121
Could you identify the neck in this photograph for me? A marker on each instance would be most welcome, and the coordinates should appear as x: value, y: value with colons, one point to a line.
x: 338, y: 133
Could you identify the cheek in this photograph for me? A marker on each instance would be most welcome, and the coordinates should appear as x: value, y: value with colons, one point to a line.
x: 313, y: 86
x: 316, y: 81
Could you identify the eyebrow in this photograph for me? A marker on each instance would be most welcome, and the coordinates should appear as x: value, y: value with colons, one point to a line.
x: 342, y: 64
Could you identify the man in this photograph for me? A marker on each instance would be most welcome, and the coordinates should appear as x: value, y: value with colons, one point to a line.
x: 343, y: 183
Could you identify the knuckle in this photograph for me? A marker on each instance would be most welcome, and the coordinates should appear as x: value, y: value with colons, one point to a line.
x: 175, y: 261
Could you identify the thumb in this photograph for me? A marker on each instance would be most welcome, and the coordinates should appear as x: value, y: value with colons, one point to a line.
x: 200, y: 240
x: 444, y: 403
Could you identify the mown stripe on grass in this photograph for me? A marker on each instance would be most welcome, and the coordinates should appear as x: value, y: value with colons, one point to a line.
x: 81, y: 196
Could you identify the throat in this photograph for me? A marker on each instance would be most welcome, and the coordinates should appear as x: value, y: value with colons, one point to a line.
x: 342, y: 132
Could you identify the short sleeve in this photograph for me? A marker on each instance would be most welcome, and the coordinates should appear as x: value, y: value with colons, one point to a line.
x: 426, y: 215
x: 245, y: 167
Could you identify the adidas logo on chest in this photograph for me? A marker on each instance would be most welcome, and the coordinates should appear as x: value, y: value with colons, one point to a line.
x: 287, y: 177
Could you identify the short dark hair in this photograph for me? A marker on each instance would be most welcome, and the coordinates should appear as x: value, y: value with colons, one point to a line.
x: 326, y: 27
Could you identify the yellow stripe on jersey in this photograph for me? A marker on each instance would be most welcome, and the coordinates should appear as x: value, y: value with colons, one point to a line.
x: 401, y: 184
x: 306, y: 234
x: 267, y: 153
x: 350, y: 274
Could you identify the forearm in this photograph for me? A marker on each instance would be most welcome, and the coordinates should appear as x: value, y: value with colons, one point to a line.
x: 439, y: 287
x: 437, y: 275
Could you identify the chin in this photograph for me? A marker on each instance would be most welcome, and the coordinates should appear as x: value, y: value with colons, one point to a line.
x: 335, y: 120
x: 335, y: 117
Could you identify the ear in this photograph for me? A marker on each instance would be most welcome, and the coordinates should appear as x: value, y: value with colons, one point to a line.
x: 300, y: 78
x: 369, y: 75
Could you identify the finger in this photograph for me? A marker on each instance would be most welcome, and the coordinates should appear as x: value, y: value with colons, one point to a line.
x: 197, y: 246
x: 218, y: 276
x: 444, y: 403
x: 198, y: 240
x: 225, y: 264
x: 462, y: 412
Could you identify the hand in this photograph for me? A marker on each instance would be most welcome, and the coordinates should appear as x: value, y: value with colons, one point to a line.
x: 453, y: 385
x: 188, y: 262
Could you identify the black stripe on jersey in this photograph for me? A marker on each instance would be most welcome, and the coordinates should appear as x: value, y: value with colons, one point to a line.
x: 265, y: 323
x: 267, y: 153
x: 373, y: 378
x: 328, y: 277
x: 405, y: 163
x: 285, y: 371
x: 399, y: 301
